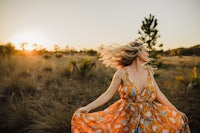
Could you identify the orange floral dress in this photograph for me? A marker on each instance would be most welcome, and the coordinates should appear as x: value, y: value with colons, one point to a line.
x: 134, y: 112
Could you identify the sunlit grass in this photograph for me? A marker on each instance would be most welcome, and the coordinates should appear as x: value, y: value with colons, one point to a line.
x: 40, y: 94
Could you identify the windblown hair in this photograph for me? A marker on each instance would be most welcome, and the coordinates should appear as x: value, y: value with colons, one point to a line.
x: 117, y: 56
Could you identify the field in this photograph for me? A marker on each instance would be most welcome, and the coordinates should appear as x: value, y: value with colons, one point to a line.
x: 39, y: 93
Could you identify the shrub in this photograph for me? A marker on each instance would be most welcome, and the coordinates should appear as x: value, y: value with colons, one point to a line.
x: 47, y: 56
x: 85, y: 66
x: 7, y: 49
x: 58, y: 55
x: 91, y: 52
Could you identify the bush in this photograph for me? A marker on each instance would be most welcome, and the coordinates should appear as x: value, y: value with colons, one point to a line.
x: 91, y: 52
x: 7, y: 49
x: 47, y: 56
x: 85, y: 66
x: 58, y: 55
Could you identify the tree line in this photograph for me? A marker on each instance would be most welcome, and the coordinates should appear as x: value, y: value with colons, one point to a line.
x: 9, y: 49
x: 191, y: 51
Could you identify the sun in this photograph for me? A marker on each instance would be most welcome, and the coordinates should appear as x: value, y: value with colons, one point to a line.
x: 30, y: 38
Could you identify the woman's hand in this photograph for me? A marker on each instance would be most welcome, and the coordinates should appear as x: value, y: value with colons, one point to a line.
x: 185, y: 118
x: 82, y: 110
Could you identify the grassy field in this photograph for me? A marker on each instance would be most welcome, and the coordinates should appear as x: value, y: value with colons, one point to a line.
x: 40, y: 93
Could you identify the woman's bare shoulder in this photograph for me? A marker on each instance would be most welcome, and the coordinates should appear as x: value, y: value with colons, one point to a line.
x: 120, y: 73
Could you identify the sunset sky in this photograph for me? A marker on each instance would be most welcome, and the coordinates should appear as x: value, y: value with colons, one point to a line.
x: 89, y: 23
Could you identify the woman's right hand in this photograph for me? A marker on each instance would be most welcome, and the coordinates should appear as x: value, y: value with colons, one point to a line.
x: 185, y: 118
x: 82, y: 110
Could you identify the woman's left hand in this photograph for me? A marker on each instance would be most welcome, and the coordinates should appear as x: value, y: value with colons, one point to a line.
x: 185, y: 118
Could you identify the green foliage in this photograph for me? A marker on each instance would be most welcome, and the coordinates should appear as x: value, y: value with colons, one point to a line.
x: 83, y: 68
x: 149, y: 35
x: 148, y: 32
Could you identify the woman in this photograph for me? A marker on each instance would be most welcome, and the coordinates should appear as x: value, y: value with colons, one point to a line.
x: 136, y: 111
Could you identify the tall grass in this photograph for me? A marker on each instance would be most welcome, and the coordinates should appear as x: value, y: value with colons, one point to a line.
x: 40, y: 94
x: 174, y: 77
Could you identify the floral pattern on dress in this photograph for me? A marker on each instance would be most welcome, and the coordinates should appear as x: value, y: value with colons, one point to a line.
x: 135, y: 112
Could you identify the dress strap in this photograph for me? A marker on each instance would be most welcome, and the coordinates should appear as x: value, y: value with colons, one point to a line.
x: 125, y: 74
x: 150, y: 74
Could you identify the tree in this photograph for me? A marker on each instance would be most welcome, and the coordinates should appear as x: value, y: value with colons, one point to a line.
x: 7, y: 49
x: 149, y: 35
x: 56, y: 48
x: 35, y: 46
x: 10, y: 48
x: 23, y: 45
x: 67, y: 49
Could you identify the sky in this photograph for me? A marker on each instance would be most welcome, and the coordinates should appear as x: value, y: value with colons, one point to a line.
x: 90, y: 23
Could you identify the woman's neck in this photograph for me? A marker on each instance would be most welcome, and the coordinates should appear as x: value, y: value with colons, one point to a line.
x: 137, y: 64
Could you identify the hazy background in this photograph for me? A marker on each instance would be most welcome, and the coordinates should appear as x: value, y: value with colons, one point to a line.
x: 89, y: 23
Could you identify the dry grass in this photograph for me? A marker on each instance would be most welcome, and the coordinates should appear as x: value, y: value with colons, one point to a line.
x: 173, y: 78
x: 40, y: 94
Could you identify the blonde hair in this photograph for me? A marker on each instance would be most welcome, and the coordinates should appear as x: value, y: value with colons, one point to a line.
x: 117, y: 56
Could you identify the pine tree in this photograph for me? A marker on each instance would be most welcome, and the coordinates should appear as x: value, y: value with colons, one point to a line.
x: 149, y: 35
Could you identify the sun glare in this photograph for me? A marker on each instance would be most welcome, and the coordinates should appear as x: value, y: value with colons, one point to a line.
x: 29, y: 38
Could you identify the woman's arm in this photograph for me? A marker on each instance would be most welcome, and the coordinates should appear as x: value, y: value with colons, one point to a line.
x: 107, y: 95
x: 163, y: 100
